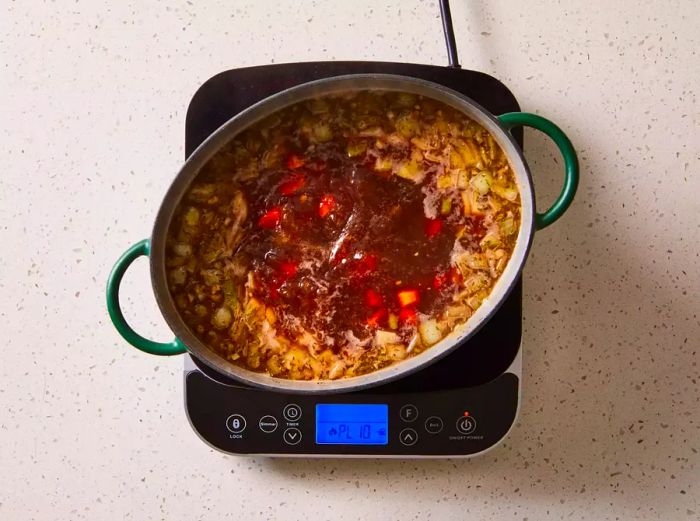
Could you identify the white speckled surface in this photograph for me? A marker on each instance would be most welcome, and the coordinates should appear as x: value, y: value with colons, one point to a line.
x: 92, y: 108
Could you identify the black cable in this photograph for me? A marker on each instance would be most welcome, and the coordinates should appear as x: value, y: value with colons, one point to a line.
x: 449, y: 33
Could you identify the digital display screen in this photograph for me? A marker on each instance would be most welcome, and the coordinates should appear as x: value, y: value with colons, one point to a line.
x: 352, y: 424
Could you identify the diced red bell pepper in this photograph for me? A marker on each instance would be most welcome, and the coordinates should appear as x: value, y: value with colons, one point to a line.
x: 293, y: 183
x: 326, y: 205
x: 294, y: 162
x: 408, y: 297
x: 376, y: 317
x: 432, y: 227
x: 288, y: 268
x: 271, y: 218
x: 373, y: 299
x: 408, y: 316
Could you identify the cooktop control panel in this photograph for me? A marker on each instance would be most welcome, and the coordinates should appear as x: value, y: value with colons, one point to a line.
x: 455, y: 422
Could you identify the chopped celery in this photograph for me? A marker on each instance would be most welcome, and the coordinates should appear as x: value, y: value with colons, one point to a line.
x: 475, y: 283
x: 396, y: 351
x: 253, y: 144
x: 192, y: 216
x: 356, y: 148
x: 446, y: 206
x: 407, y: 126
x: 507, y: 192
x: 393, y: 321
x: 444, y: 181
x: 476, y: 261
x: 462, y: 178
x: 239, y: 206
x: 466, y: 201
x: 248, y: 171
x: 456, y: 159
x: 470, y: 201
x: 375, y: 131
x: 485, y: 158
x: 318, y: 106
x: 412, y: 171
x: 420, y: 143
x: 230, y: 296
x: 490, y: 241
x: 383, y: 164
x: 201, y: 192
x: 481, y: 183
x: 210, y: 277
x: 476, y: 300
x: 468, y: 151
x: 271, y: 157
x: 322, y: 132
x: 507, y: 226
x: 211, y: 256
x: 460, y: 312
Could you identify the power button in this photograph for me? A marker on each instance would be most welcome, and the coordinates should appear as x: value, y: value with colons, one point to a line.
x: 466, y: 424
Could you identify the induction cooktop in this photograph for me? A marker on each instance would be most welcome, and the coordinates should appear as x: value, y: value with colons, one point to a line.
x: 460, y: 406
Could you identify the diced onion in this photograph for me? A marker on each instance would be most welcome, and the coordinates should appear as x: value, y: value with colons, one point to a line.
x: 222, y: 318
x: 430, y: 332
x: 382, y: 337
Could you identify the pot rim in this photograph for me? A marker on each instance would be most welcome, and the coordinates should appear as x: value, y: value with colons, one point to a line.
x: 336, y: 84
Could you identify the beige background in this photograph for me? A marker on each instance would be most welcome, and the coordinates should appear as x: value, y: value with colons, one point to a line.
x: 92, y: 102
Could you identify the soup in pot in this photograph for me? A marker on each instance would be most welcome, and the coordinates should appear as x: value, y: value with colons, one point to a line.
x: 342, y: 234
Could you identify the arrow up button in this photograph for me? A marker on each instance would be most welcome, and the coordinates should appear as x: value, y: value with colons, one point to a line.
x: 408, y: 437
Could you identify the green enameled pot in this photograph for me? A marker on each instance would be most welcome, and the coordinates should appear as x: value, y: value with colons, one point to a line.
x: 498, y: 126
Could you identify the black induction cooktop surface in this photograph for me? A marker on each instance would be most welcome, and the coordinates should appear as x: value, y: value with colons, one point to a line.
x: 492, y: 350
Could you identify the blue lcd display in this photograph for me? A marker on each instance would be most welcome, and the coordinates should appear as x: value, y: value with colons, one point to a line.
x: 352, y: 424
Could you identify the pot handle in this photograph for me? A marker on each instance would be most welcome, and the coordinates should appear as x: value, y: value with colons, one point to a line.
x: 571, y: 170
x: 176, y: 347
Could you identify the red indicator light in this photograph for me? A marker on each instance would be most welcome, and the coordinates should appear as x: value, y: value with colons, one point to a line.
x: 466, y: 413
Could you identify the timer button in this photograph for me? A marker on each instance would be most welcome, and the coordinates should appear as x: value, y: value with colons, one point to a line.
x: 433, y: 424
x: 292, y: 436
x: 292, y: 412
x: 466, y: 424
x: 408, y: 437
x: 408, y: 413
x: 235, y: 423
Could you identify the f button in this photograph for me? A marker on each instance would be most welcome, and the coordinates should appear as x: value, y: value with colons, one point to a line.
x: 408, y: 413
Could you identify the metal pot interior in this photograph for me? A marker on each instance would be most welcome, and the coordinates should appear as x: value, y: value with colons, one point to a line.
x: 289, y: 97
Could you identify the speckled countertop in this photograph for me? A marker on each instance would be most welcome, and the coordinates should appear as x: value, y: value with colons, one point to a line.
x: 92, y: 103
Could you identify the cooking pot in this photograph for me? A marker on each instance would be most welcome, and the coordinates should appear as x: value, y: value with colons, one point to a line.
x: 498, y: 127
